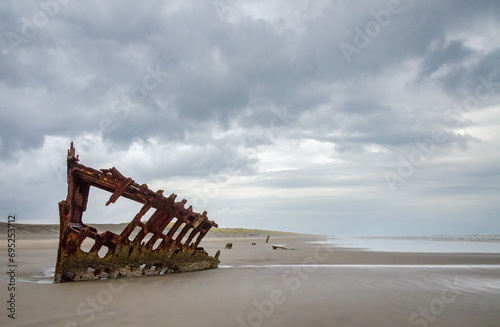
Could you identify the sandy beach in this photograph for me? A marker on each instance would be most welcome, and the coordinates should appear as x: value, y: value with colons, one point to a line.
x: 315, y: 284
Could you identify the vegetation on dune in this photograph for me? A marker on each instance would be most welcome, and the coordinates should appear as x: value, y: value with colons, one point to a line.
x: 45, y: 229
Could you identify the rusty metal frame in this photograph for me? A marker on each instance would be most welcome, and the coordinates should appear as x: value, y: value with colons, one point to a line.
x: 164, y: 252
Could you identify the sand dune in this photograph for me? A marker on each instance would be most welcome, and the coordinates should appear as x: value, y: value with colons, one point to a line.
x: 52, y: 230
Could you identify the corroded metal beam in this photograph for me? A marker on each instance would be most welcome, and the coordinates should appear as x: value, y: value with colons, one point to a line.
x: 115, y: 256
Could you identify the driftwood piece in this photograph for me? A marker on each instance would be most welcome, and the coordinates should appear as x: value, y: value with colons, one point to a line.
x: 281, y: 247
x: 113, y: 255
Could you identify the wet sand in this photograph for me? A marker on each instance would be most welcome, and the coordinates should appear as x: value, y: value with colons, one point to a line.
x: 314, y: 285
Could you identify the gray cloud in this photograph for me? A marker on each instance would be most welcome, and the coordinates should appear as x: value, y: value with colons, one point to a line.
x: 258, y: 102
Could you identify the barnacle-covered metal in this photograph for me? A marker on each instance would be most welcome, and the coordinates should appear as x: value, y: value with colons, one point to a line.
x: 167, y: 242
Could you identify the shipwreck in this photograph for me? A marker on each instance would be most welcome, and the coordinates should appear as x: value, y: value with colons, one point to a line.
x: 167, y: 242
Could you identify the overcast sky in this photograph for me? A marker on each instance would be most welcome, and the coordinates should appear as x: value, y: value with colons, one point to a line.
x: 330, y: 117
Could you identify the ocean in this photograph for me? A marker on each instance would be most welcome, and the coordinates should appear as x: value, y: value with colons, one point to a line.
x: 427, y: 244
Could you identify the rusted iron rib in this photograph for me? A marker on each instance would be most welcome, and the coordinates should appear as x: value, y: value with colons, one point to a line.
x: 118, y: 192
x: 115, y: 256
